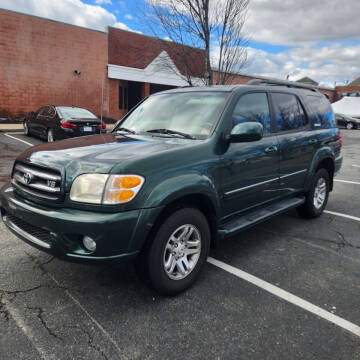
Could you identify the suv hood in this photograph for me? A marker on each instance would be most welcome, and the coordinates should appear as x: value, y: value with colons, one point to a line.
x: 97, y: 153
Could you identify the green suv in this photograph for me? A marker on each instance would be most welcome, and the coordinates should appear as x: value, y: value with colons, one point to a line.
x: 183, y: 170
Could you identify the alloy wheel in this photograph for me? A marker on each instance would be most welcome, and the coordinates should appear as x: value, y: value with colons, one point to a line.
x: 182, y: 252
x: 26, y: 128
x: 319, y: 193
x: 50, y: 136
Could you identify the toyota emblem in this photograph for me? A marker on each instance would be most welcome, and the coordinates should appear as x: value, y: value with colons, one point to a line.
x: 27, y: 177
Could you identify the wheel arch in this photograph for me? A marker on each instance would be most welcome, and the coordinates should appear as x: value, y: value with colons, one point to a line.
x: 145, y: 235
x: 198, y: 201
x: 187, y: 190
x: 325, y: 160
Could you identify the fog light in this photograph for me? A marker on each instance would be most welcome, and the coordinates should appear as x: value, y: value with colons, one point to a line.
x: 89, y: 243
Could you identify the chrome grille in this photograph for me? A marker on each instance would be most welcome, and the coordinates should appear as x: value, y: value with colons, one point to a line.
x: 37, y: 181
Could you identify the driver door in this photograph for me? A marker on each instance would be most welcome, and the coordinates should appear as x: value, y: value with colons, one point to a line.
x: 36, y: 121
x: 251, y: 173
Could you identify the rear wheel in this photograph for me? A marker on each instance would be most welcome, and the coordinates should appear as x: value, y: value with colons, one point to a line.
x: 50, y: 136
x: 178, y: 251
x: 349, y: 126
x: 317, y: 197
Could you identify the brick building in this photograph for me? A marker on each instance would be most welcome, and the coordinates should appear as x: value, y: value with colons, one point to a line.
x: 352, y: 89
x: 38, y: 58
x: 44, y: 61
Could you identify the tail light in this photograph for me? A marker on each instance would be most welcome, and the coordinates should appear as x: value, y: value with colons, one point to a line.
x: 101, y: 127
x: 67, y: 125
x: 340, y: 140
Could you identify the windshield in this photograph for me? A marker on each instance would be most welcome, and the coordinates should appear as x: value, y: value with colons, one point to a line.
x: 69, y: 112
x: 193, y: 113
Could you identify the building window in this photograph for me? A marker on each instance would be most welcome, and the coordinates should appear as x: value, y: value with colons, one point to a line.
x: 120, y: 97
x: 125, y: 98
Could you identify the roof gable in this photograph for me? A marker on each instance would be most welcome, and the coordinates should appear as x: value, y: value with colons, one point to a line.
x: 162, y: 63
x: 355, y: 82
x: 307, y: 80
x: 138, y: 51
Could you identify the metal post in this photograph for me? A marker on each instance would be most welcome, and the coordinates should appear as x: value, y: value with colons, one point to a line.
x: 102, y: 101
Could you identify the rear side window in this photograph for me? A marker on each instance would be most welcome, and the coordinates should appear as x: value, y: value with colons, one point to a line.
x: 253, y: 107
x: 321, y: 107
x: 51, y: 112
x: 43, y: 111
x: 289, y: 112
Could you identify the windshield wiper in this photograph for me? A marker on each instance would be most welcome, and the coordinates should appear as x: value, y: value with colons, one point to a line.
x: 126, y: 130
x: 171, y: 132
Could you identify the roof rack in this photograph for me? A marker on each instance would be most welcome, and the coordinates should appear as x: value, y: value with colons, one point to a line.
x: 289, y: 84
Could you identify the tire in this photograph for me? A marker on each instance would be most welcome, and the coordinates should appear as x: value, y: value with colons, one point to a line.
x: 185, y: 230
x: 317, y: 197
x: 26, y: 128
x: 349, y: 126
x: 50, y: 136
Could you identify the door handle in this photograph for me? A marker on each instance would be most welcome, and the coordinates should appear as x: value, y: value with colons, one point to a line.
x: 313, y: 141
x: 271, y: 149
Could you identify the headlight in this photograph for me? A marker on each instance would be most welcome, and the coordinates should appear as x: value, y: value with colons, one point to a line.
x: 105, y: 189
x: 88, y: 188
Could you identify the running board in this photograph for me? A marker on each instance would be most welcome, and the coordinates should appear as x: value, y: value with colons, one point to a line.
x: 251, y: 218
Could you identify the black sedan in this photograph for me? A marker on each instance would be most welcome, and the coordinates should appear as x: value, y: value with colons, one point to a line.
x: 347, y: 122
x: 53, y: 122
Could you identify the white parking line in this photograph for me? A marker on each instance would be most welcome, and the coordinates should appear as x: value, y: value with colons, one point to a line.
x: 96, y: 323
x: 293, y: 299
x: 356, y: 166
x: 342, y: 215
x: 44, y: 354
x: 15, y: 138
x: 347, y: 181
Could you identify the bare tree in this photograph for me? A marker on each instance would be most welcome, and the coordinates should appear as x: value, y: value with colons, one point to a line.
x: 215, y: 26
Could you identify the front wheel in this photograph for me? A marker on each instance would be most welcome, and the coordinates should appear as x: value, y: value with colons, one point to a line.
x: 50, y: 136
x: 179, y: 251
x: 349, y: 126
x: 26, y: 128
x: 317, y: 196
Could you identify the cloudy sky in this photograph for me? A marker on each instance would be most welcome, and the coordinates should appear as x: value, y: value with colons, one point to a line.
x: 315, y: 38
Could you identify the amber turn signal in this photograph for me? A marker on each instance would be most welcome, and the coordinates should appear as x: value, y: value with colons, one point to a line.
x: 126, y: 182
x: 129, y: 182
x: 121, y: 196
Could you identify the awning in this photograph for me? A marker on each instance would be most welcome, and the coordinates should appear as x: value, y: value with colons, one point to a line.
x: 348, y: 105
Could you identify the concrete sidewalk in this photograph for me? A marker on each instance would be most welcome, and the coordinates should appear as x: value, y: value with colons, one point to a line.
x: 20, y: 128
x: 11, y: 127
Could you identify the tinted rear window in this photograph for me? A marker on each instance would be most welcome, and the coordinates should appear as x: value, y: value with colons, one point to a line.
x: 75, y: 113
x: 288, y: 112
x: 321, y: 107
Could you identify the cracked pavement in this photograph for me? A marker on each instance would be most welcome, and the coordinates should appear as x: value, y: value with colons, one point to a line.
x: 51, y: 309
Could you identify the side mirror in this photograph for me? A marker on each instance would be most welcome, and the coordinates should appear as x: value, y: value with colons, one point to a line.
x: 246, y: 132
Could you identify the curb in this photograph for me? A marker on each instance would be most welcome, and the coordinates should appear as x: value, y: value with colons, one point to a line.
x: 11, y: 130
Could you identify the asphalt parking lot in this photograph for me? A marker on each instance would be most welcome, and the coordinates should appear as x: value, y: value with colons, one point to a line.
x: 286, y: 289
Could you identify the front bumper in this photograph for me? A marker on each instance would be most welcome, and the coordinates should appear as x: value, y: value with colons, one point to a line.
x: 60, y: 231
